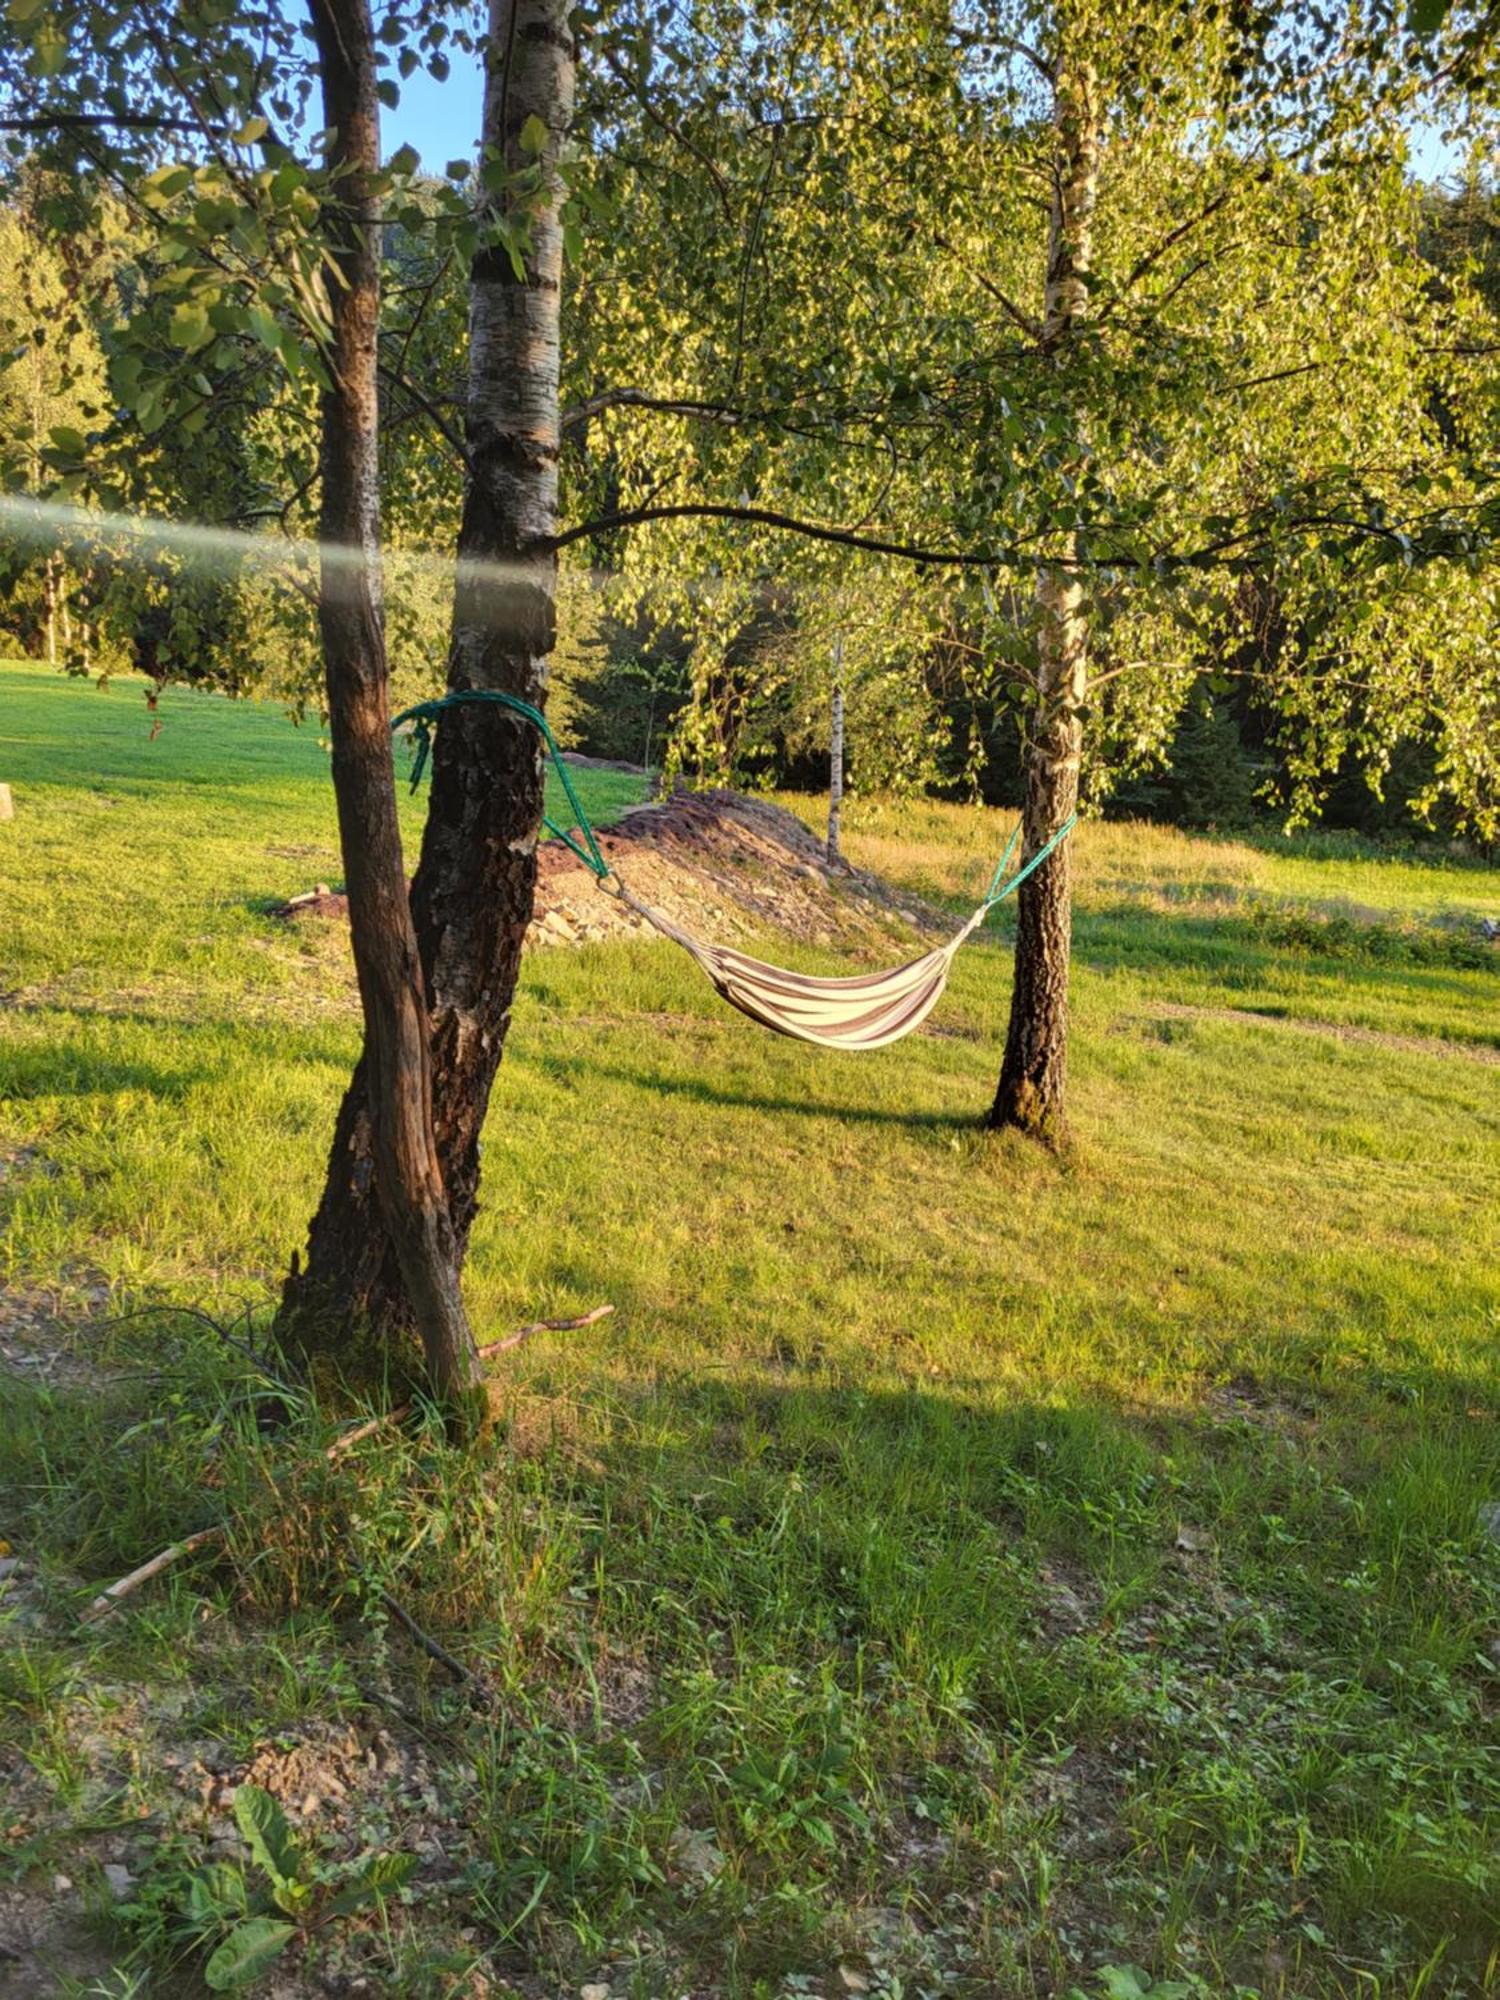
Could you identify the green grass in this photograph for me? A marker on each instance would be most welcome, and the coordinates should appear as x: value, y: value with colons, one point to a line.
x: 966, y: 1567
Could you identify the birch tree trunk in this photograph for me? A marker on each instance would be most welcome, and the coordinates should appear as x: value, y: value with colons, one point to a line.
x: 393, y: 1084
x: 836, y: 754
x: 1033, y: 1073
x: 473, y: 893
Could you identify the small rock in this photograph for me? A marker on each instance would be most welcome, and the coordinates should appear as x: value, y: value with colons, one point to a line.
x: 120, y: 1880
x: 8, y: 1566
x: 596, y: 1989
x: 61, y: 1884
x: 1192, y: 1541
x: 310, y: 1805
x: 853, y: 1982
x: 696, y: 1854
x: 1489, y: 1519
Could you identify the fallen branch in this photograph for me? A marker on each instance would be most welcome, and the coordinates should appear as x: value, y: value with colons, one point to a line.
x: 108, y: 1599
x: 542, y: 1326
x: 478, y: 1686
x: 341, y: 1444
x: 403, y: 1410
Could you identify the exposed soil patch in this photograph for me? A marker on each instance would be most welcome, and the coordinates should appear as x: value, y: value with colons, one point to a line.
x: 46, y: 1342
x: 717, y: 863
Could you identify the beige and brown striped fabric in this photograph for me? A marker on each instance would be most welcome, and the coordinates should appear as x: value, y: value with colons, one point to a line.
x: 867, y: 1012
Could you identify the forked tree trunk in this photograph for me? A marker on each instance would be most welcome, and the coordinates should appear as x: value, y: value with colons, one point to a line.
x: 399, y: 1162
x: 473, y: 892
x: 1033, y: 1073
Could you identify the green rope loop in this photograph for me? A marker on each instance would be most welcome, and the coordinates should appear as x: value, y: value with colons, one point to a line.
x: 999, y: 895
x: 1002, y: 864
x: 425, y: 713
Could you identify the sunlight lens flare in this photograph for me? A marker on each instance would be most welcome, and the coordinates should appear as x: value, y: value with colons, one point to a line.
x: 54, y: 527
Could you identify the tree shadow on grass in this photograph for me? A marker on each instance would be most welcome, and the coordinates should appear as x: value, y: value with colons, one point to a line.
x: 701, y: 1090
x: 953, y: 1631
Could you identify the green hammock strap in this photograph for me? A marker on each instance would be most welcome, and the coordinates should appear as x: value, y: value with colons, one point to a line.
x: 999, y: 894
x: 425, y: 714
x: 1002, y: 865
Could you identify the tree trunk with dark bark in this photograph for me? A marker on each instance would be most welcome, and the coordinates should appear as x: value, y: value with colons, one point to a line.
x: 397, y: 1162
x: 1033, y: 1073
x: 473, y: 892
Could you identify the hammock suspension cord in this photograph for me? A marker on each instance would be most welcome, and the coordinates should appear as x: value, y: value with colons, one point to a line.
x: 868, y: 1011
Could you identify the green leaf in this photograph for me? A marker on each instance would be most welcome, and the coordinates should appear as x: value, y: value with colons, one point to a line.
x: 534, y: 135
x: 70, y: 442
x: 293, y: 1897
x: 457, y: 170
x: 286, y: 180
x: 388, y: 93
x: 247, y: 1952
x: 251, y: 130
x: 381, y: 1876
x: 268, y: 1833
x: 405, y: 160
x: 266, y: 327
x: 1125, y: 1982
x: 1427, y: 16
x: 216, y: 1894
x: 189, y: 327
x: 50, y: 51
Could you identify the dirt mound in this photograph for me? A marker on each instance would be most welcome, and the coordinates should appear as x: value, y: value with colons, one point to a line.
x: 722, y: 865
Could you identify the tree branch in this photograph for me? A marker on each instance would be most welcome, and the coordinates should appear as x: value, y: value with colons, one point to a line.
x: 659, y: 118
x: 1153, y: 257
x: 641, y: 399
x: 768, y: 517
x: 52, y: 121
x: 1213, y: 555
x: 396, y: 380
x: 1032, y: 328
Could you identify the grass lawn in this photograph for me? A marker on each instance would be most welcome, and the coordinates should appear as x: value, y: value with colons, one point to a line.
x: 955, y: 1570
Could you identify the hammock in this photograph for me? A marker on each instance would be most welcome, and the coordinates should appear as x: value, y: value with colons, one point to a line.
x: 869, y: 1011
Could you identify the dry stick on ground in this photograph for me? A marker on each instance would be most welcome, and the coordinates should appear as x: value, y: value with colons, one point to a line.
x: 402, y: 1410
x: 108, y: 1599
x: 478, y: 1686
x: 542, y: 1326
x: 483, y: 1693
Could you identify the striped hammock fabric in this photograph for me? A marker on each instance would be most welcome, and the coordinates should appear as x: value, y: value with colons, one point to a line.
x: 869, y: 1011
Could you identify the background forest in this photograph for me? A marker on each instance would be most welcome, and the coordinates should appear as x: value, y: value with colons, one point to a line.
x: 717, y: 655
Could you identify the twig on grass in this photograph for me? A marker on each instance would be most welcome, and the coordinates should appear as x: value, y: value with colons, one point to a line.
x: 342, y: 1443
x: 495, y: 1347
x: 479, y: 1688
x: 355, y: 1436
x: 108, y: 1599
